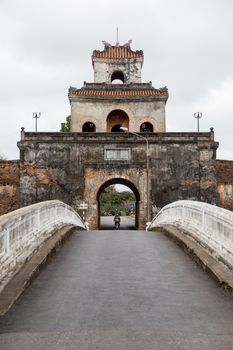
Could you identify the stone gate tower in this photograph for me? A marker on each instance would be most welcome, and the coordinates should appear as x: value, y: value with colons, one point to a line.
x: 117, y: 97
x: 159, y: 167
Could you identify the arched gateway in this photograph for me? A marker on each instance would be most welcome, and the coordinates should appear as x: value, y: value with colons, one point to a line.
x: 121, y: 182
x: 97, y: 179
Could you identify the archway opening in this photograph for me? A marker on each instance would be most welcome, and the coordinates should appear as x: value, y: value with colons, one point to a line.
x: 88, y: 127
x: 116, y: 119
x: 118, y: 197
x: 116, y: 128
x: 146, y: 127
x: 117, y: 77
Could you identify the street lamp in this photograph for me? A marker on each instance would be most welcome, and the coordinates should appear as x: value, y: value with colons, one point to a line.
x: 147, y: 167
x: 36, y: 116
x: 198, y: 116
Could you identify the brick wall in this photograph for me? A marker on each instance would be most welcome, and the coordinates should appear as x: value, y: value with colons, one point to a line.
x: 9, y: 186
x: 224, y: 173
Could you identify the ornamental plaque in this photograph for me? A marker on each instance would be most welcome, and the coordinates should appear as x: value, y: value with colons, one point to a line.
x: 117, y: 154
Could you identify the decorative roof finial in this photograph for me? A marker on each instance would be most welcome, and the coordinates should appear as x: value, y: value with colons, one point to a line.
x: 106, y: 45
x: 128, y: 44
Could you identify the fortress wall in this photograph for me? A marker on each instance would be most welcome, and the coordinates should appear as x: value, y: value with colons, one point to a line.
x: 9, y: 185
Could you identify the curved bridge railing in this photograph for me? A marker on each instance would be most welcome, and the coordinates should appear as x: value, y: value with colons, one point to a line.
x: 22, y: 232
x: 211, y: 226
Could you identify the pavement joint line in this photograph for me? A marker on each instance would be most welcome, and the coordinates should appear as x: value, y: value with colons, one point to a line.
x: 31, y: 268
x: 216, y: 269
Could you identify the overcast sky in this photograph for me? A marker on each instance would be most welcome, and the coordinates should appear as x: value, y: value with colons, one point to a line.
x: 46, y: 46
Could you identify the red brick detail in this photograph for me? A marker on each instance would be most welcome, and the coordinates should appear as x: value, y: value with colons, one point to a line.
x: 224, y: 175
x: 9, y: 186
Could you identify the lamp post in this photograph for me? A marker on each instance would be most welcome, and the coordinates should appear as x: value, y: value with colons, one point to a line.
x: 36, y: 116
x: 198, y: 116
x: 147, y: 167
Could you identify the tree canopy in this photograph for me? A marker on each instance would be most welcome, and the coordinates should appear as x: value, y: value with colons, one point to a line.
x: 112, y: 201
x: 66, y: 127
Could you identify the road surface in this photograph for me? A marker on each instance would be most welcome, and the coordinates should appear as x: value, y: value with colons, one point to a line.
x: 120, y: 289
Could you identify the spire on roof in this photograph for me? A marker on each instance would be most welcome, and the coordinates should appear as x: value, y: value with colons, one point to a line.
x: 117, y: 42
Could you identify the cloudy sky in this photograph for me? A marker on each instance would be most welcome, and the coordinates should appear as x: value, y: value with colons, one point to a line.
x: 46, y: 46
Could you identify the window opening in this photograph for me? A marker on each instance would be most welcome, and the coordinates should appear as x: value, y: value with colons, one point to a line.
x: 146, y: 127
x: 89, y: 127
x: 118, y: 78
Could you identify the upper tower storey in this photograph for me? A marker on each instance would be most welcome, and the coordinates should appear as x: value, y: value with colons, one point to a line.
x: 117, y: 63
x: 117, y: 97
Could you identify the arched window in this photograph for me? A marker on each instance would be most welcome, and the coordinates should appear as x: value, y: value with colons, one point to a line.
x: 116, y: 119
x: 117, y: 77
x: 146, y: 127
x: 89, y: 127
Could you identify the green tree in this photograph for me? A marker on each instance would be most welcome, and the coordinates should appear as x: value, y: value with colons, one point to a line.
x: 112, y: 201
x: 65, y: 127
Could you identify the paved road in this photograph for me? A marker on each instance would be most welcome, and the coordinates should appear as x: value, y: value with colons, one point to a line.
x: 127, y: 223
x: 120, y: 290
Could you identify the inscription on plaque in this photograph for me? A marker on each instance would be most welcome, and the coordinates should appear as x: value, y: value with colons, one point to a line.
x: 117, y: 154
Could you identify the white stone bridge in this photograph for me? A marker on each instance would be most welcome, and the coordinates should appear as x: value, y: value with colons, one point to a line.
x: 117, y: 289
x: 208, y: 225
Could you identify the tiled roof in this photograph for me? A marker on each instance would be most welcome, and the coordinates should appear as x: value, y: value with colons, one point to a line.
x: 118, y: 93
x: 117, y: 52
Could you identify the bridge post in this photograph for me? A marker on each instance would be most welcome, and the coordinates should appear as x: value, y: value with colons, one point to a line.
x: 37, y: 220
x: 203, y: 221
x: 7, y: 241
x: 65, y: 212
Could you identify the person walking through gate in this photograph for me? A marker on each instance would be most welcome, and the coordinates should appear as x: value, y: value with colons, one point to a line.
x: 117, y: 221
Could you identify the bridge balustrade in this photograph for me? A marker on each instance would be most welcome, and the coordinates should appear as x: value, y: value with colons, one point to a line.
x: 24, y: 230
x: 210, y: 225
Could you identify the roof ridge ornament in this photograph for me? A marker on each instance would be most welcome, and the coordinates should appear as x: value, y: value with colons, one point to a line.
x: 128, y: 44
x: 108, y: 45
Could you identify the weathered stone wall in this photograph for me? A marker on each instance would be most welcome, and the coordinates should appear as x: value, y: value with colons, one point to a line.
x: 183, y: 171
x: 97, y: 111
x: 224, y: 175
x: 73, y: 166
x: 9, y: 186
x: 103, y: 70
x: 39, y: 182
